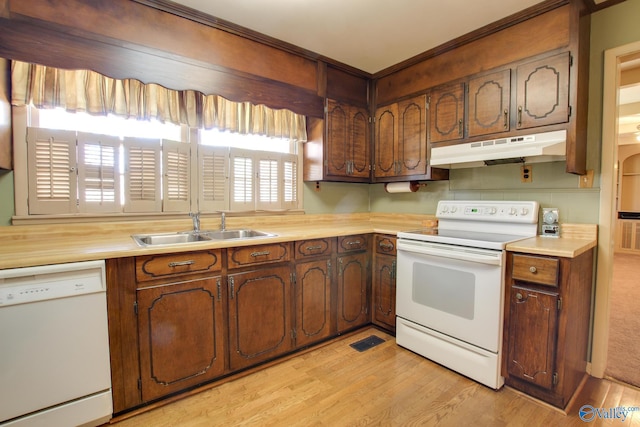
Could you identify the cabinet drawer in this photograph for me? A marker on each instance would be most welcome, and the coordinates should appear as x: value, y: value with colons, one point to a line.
x: 535, y: 269
x: 152, y: 267
x: 385, y: 244
x: 357, y: 242
x: 262, y: 254
x: 312, y: 248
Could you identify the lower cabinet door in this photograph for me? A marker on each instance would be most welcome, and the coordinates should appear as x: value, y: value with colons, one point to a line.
x: 181, y: 335
x: 259, y: 316
x: 384, y: 291
x: 353, y: 305
x: 533, y: 333
x: 313, y: 301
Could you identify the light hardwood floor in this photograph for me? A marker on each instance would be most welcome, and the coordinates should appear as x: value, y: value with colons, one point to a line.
x: 334, y: 385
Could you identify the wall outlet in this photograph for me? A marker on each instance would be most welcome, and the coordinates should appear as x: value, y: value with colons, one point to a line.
x: 526, y: 173
x: 586, y: 180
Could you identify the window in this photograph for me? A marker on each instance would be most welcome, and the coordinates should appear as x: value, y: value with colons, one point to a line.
x: 81, y: 164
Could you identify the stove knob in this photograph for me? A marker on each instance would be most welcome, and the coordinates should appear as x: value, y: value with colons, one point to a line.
x: 444, y: 209
x: 512, y: 211
x: 454, y: 209
x: 524, y: 212
x: 493, y: 211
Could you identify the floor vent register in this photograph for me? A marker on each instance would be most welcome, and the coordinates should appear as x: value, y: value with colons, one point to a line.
x: 367, y: 343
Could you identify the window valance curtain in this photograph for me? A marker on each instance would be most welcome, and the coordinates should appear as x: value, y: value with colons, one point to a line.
x: 93, y: 93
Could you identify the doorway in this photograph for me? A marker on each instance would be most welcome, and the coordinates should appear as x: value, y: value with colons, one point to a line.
x: 615, y: 60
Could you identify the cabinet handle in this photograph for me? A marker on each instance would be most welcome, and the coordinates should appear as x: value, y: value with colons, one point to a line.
x: 533, y: 270
x: 393, y: 270
x: 519, y: 296
x: 181, y: 263
x: 219, y: 289
x: 313, y: 248
x: 506, y: 118
x: 519, y: 116
x: 340, y: 267
x: 232, y: 284
x: 354, y: 242
x: 257, y: 254
x: 460, y: 127
x: 386, y: 246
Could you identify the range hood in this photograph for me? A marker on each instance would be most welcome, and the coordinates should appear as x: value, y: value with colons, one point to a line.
x: 535, y: 148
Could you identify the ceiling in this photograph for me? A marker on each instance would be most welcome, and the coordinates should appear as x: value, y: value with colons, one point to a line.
x: 369, y: 35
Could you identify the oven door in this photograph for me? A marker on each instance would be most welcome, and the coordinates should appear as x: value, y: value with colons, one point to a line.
x: 454, y: 290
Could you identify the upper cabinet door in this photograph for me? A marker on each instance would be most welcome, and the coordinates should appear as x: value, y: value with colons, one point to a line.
x: 347, y: 141
x: 489, y: 103
x: 359, y: 142
x: 337, y: 135
x: 543, y: 92
x: 447, y: 113
x: 386, y: 141
x: 412, y: 136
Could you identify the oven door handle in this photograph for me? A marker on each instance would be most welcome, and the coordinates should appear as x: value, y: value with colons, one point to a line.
x: 454, y: 252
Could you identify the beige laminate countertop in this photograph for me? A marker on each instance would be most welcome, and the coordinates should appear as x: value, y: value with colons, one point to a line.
x: 574, y: 240
x: 24, y: 246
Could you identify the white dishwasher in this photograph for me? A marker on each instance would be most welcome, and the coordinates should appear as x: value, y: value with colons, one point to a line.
x: 54, y: 346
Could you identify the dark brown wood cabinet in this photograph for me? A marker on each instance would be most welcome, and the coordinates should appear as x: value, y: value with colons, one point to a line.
x: 542, y: 96
x: 260, y: 325
x: 313, y: 290
x: 260, y: 318
x: 181, y: 333
x: 547, y: 312
x: 353, y: 278
x: 400, y: 148
x: 347, y: 142
x: 541, y: 93
x: 384, y: 282
x: 489, y: 103
x: 447, y: 113
x: 385, y: 151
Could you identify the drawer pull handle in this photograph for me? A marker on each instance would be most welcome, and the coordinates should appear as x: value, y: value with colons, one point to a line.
x: 385, y: 245
x: 314, y: 248
x: 257, y: 254
x: 181, y: 263
x: 533, y: 269
x: 355, y: 242
x: 519, y: 296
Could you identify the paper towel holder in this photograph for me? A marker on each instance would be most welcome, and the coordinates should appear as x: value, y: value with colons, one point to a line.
x: 403, y: 187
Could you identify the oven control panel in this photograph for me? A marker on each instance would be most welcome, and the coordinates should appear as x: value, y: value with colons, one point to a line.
x: 495, y: 211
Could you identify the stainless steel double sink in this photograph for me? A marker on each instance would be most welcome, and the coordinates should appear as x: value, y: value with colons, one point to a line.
x: 197, y: 236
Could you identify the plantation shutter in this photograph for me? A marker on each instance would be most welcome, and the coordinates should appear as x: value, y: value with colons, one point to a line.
x: 142, y: 175
x: 213, y: 163
x: 98, y: 173
x: 52, y: 173
x: 176, y: 166
x: 290, y: 182
x: 242, y: 180
x: 268, y: 187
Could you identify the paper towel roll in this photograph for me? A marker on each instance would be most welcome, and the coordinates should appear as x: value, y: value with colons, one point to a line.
x: 402, y: 187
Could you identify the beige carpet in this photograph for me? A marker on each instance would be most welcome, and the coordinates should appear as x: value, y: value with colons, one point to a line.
x: 623, y: 356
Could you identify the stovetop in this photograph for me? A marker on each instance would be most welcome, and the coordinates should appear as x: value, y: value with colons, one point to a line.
x: 480, y: 224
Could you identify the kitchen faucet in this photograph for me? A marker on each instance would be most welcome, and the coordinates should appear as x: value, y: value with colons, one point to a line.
x: 223, y: 222
x: 195, y: 217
